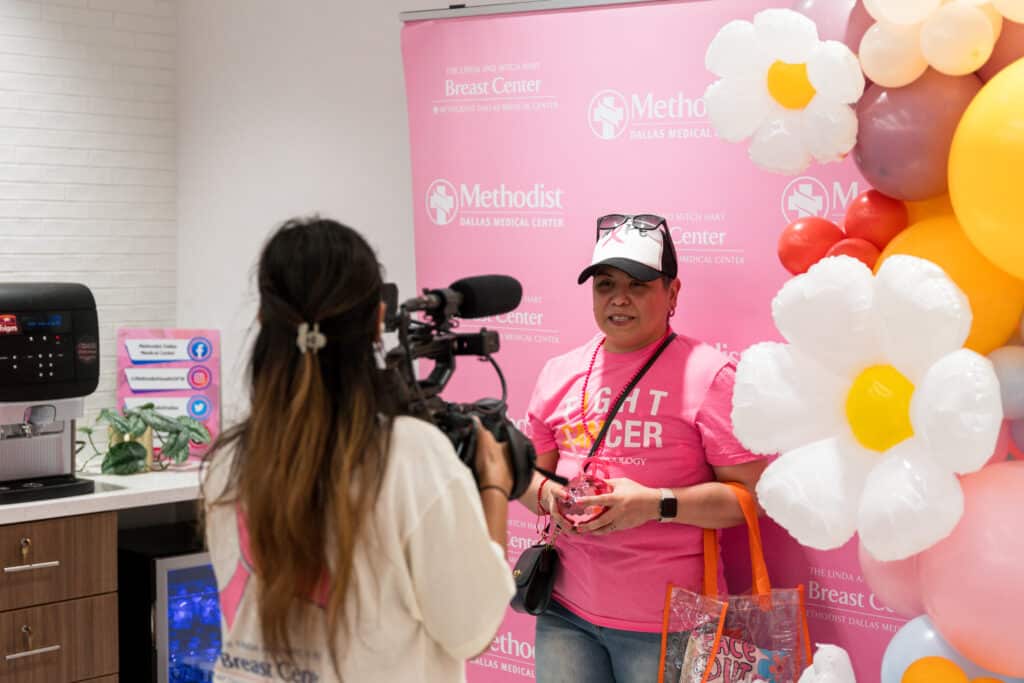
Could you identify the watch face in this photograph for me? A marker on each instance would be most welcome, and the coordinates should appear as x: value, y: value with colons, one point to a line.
x: 669, y: 507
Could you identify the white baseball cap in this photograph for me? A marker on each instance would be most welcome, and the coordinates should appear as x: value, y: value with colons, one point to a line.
x: 637, y: 245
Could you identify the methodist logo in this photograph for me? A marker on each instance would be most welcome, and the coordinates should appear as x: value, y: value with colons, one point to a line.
x: 804, y: 197
x: 647, y: 115
x: 442, y: 202
x: 807, y: 196
x: 608, y: 114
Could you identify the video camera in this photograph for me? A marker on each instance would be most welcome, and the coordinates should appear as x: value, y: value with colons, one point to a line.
x: 432, y: 337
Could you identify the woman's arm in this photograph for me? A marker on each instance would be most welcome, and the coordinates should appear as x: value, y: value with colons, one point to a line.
x: 553, y: 492
x: 546, y: 461
x: 711, y: 505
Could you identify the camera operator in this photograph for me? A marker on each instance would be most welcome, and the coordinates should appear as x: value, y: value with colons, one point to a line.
x: 349, y: 543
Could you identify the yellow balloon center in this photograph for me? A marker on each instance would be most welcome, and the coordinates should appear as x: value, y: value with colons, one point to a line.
x: 934, y: 670
x: 878, y: 407
x: 789, y: 85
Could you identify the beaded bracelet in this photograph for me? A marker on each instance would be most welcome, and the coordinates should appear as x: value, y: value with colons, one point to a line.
x: 540, y: 493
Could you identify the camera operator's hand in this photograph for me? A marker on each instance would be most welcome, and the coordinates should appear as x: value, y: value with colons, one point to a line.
x: 492, y: 464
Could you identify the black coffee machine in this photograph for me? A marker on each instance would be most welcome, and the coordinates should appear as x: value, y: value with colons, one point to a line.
x: 49, y: 361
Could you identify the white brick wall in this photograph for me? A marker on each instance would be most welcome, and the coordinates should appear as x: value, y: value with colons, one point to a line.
x: 87, y: 157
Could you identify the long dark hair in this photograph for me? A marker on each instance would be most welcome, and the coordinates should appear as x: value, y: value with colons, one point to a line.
x: 311, y: 455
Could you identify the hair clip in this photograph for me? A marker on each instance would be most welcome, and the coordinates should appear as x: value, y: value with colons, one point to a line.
x: 310, y: 338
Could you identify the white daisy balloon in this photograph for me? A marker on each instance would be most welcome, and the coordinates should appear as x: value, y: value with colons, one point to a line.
x: 873, y: 404
x: 785, y: 88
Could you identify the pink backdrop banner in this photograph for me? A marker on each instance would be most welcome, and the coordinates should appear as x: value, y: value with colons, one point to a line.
x: 524, y: 128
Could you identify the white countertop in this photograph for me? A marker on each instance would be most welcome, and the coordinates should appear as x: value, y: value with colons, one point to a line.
x: 113, y: 492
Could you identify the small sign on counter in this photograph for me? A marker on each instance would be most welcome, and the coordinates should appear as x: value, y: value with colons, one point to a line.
x: 178, y: 371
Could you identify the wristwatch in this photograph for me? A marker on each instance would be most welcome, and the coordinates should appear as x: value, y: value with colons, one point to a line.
x: 669, y: 507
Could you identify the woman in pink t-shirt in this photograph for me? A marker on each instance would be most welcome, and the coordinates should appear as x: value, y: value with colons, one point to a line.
x: 665, y: 452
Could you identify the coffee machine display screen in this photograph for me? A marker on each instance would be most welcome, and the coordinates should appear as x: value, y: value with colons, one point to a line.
x: 45, y: 322
x: 35, y: 323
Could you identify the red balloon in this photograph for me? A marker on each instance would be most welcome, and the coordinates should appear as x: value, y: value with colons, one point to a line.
x: 876, y: 217
x: 804, y: 242
x: 862, y: 250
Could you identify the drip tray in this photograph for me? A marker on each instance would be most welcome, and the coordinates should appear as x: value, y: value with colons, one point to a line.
x: 44, y: 488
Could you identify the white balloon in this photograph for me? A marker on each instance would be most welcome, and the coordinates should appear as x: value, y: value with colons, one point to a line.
x: 1008, y: 363
x: 891, y: 55
x: 957, y: 39
x: 813, y: 492
x: 829, y: 129
x: 831, y: 665
x: 737, y: 106
x: 782, y: 400
x: 924, y: 314
x: 904, y: 12
x: 777, y: 145
x: 957, y: 413
x: 1011, y: 9
x: 733, y: 51
x: 828, y: 313
x: 835, y: 73
x: 994, y: 17
x: 910, y: 503
x: 786, y: 35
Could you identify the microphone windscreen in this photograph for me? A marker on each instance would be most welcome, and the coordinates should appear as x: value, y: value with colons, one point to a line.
x: 485, y: 295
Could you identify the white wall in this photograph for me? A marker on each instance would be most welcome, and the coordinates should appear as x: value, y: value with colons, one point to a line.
x: 285, y: 108
x: 87, y: 157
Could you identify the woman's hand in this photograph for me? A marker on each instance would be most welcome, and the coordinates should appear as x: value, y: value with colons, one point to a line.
x: 491, y: 464
x: 553, y: 493
x: 628, y: 506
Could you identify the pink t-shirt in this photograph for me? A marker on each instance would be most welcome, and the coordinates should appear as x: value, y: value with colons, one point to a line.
x: 669, y: 432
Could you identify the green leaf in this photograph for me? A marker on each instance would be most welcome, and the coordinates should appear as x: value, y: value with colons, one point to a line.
x: 196, y: 431
x: 86, y: 430
x: 179, y: 449
x: 130, y: 467
x: 136, y: 426
x: 128, y: 457
x: 114, y: 420
x: 157, y: 421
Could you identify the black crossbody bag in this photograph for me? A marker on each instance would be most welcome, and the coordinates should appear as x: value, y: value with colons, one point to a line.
x: 537, y: 567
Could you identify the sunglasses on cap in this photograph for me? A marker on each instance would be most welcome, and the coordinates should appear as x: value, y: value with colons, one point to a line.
x: 642, y: 222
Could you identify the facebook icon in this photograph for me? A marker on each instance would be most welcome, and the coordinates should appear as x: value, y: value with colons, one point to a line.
x: 199, y: 348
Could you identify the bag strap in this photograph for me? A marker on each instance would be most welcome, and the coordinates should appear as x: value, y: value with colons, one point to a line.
x: 759, y: 568
x: 626, y: 392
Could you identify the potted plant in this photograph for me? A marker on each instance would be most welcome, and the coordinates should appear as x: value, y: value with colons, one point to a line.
x: 131, y: 435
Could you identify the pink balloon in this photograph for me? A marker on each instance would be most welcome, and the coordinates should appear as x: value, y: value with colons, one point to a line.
x: 971, y: 581
x: 896, y: 584
x: 844, y: 20
x: 905, y: 133
x: 1009, y: 48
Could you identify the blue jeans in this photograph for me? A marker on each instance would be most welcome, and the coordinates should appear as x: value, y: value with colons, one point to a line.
x: 572, y: 650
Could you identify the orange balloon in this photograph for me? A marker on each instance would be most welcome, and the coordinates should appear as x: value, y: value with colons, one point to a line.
x: 929, y: 208
x: 997, y: 298
x: 986, y: 679
x: 934, y: 670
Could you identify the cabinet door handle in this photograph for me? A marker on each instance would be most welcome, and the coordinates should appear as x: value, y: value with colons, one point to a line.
x: 33, y: 653
x: 31, y: 567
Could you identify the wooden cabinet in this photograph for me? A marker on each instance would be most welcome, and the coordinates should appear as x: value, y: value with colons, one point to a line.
x: 58, y: 593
